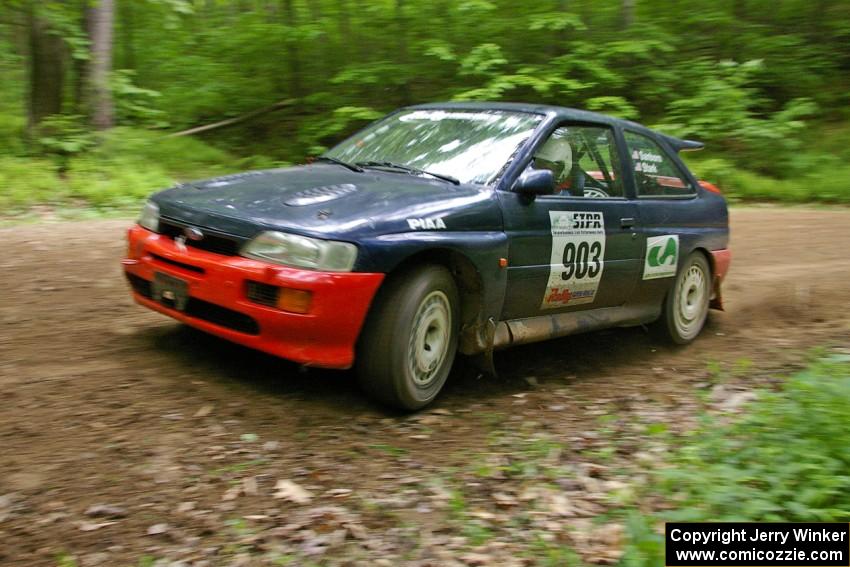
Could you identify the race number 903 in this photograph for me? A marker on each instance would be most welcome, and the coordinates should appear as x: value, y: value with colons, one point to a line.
x: 582, y: 260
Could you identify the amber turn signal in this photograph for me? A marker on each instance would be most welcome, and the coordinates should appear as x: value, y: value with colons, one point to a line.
x: 294, y: 300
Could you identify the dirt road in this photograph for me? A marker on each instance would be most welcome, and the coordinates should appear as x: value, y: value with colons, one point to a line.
x: 186, y: 436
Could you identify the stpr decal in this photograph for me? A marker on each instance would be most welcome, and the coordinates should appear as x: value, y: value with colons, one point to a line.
x: 578, y: 258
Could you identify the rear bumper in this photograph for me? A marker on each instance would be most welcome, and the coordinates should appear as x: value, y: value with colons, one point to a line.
x: 324, y: 336
x: 720, y: 261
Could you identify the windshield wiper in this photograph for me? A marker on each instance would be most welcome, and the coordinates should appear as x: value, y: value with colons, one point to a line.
x: 408, y: 169
x: 345, y: 164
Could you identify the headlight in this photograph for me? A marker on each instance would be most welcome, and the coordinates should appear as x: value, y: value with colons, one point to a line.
x: 302, y: 252
x: 149, y: 218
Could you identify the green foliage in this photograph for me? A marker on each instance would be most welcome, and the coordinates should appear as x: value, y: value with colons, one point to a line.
x: 63, y: 136
x: 135, y: 105
x: 741, y: 76
x: 12, y: 134
x: 65, y: 560
x: 825, y: 181
x: 327, y: 128
x: 126, y: 167
x: 67, y: 22
x: 723, y: 111
x: 645, y: 546
x: 613, y: 105
x: 785, y: 459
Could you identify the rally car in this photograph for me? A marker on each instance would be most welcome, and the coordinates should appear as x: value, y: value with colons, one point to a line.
x: 440, y: 229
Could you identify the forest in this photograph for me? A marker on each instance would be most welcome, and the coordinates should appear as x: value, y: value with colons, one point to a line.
x: 104, y: 101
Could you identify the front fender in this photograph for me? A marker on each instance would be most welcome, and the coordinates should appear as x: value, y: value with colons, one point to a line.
x: 485, y: 250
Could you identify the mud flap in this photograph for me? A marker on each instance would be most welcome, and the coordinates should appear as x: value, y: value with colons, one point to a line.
x: 720, y: 261
x: 483, y: 360
x: 716, y: 297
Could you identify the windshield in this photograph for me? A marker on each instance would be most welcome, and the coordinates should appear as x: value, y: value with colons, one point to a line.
x: 471, y: 146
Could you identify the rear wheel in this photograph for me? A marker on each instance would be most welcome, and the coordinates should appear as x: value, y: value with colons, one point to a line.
x: 686, y: 306
x: 410, y: 338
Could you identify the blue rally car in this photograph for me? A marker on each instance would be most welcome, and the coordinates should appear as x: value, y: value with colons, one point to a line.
x: 442, y: 228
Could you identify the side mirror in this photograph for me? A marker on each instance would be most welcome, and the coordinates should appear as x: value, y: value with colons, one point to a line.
x: 535, y: 182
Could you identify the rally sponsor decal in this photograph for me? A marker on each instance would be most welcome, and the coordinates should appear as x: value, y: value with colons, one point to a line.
x: 662, y: 257
x: 578, y: 258
x: 427, y: 224
x: 646, y: 162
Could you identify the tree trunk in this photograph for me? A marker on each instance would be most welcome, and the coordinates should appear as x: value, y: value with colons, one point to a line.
x: 103, y: 113
x: 401, y: 45
x: 558, y: 46
x: 81, y: 66
x: 47, y: 70
x: 292, y: 53
x: 127, y: 13
x: 628, y: 13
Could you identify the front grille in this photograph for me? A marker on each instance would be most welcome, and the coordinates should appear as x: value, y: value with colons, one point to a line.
x: 222, y: 316
x: 261, y: 293
x: 140, y: 285
x: 177, y: 264
x: 215, y: 242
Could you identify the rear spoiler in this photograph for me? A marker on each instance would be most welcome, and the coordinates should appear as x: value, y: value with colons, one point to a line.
x: 683, y: 145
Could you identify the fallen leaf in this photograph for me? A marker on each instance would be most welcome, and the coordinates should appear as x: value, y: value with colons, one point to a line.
x: 339, y: 492
x: 559, y: 504
x: 504, y: 500
x: 291, y: 491
x: 232, y: 493
x: 90, y: 526
x: 184, y: 507
x: 205, y: 410
x: 249, y: 485
x: 106, y: 511
x: 158, y: 529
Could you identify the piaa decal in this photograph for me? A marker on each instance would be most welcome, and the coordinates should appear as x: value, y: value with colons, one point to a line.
x: 426, y: 224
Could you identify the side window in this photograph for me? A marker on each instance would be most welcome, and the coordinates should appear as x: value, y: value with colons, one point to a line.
x: 655, y: 173
x: 583, y: 160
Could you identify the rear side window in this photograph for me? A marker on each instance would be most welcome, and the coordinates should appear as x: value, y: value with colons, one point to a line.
x: 656, y: 175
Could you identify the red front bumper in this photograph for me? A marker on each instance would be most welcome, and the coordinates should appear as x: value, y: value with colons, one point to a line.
x: 324, y: 336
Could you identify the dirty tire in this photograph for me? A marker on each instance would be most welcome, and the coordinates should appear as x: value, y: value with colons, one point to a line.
x: 409, y: 341
x: 686, y: 305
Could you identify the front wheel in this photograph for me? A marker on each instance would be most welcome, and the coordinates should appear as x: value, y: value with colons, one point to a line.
x: 410, y: 338
x: 686, y: 305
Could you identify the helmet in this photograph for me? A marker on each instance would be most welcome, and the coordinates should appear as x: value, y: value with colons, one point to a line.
x: 557, y: 154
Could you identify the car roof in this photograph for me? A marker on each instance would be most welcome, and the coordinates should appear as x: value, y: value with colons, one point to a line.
x: 563, y: 113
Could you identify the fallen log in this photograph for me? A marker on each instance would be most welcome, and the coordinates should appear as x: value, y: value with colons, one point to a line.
x: 235, y: 120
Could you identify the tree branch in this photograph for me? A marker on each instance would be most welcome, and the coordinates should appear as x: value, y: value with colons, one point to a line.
x: 236, y: 120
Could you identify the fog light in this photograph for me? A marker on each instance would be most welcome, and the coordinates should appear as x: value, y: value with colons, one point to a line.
x: 294, y: 300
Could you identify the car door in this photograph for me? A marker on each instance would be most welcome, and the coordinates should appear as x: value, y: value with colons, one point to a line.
x: 578, y: 248
x: 674, y: 218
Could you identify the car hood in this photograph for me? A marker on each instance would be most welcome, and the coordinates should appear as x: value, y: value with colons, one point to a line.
x: 329, y: 201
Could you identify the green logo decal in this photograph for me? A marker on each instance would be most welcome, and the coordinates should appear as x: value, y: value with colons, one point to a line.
x: 662, y: 256
x: 656, y: 257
